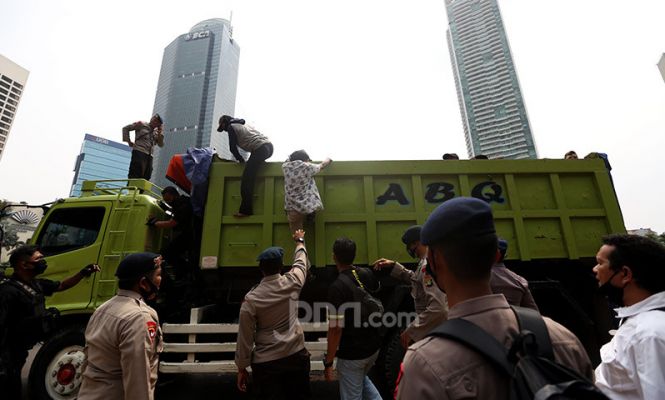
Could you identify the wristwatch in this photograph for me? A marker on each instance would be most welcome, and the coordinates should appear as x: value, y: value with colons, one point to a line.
x: 301, y: 240
x: 326, y: 364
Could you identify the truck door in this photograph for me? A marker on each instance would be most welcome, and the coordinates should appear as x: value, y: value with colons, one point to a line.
x: 71, y: 238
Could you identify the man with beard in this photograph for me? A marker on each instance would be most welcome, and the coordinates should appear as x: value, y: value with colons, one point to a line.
x: 24, y: 319
x: 631, y: 272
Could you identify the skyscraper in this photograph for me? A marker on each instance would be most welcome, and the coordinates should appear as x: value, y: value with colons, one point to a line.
x: 493, y: 112
x: 197, y: 84
x: 12, y: 80
x: 100, y: 159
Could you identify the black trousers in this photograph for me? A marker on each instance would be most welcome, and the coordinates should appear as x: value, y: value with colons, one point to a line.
x: 140, y: 166
x: 10, y: 373
x: 286, y: 378
x: 256, y: 159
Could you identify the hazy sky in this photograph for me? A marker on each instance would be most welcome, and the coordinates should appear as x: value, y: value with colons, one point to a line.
x: 352, y: 80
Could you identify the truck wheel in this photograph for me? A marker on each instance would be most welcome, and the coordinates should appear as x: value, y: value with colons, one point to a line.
x: 56, y: 370
x: 394, y: 354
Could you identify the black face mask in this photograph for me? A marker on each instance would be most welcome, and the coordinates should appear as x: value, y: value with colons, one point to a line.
x: 614, y: 294
x: 412, y: 253
x: 430, y: 271
x: 153, y: 290
x: 39, y: 266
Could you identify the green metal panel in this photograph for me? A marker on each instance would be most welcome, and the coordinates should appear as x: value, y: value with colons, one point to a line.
x: 547, y: 209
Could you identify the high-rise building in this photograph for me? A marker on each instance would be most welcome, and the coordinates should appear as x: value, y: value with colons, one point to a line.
x: 100, y: 159
x: 493, y: 112
x: 12, y: 81
x: 197, y: 85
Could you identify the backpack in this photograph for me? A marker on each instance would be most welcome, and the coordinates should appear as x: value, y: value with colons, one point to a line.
x: 368, y: 304
x: 529, y: 363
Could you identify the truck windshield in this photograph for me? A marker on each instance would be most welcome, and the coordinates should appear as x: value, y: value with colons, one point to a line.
x: 68, y: 229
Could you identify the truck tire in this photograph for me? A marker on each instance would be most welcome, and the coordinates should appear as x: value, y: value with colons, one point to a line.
x: 394, y: 354
x: 56, y: 370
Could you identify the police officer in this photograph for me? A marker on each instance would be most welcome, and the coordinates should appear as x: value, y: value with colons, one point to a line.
x: 513, y: 286
x: 430, y: 303
x: 145, y: 138
x: 123, y: 337
x: 462, y: 247
x: 24, y: 319
x: 270, y: 337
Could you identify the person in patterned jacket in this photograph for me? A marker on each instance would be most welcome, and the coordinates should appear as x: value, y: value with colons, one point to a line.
x: 301, y: 196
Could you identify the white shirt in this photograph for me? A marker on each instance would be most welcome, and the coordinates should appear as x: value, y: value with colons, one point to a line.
x: 633, y: 362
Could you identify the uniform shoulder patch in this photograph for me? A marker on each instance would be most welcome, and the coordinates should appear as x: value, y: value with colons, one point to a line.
x: 152, y: 329
x: 427, y: 278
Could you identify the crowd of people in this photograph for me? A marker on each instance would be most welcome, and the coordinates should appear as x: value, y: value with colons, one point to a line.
x: 460, y: 280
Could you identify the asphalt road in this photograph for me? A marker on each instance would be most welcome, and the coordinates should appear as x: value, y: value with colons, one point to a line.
x: 223, y: 386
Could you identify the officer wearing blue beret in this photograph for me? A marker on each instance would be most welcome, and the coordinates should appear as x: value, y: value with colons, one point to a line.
x: 462, y: 247
x: 123, y: 338
x: 270, y: 338
x: 429, y: 302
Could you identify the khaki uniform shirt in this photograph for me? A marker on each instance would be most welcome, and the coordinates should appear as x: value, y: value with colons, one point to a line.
x: 144, y: 137
x: 268, y: 326
x: 249, y: 139
x: 438, y: 368
x: 514, y: 287
x: 430, y: 302
x: 123, y: 342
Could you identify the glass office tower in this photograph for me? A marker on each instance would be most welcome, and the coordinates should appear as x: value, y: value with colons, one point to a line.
x: 13, y: 78
x: 493, y: 112
x: 197, y: 84
x: 100, y: 159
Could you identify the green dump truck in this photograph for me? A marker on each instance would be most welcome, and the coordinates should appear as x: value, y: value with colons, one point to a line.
x: 552, y: 212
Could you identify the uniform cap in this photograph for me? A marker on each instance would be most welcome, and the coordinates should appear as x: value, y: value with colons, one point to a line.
x: 136, y: 265
x: 411, y: 234
x: 271, y: 254
x: 457, y: 219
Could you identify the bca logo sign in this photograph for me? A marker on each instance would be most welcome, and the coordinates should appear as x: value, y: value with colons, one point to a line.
x: 197, y: 35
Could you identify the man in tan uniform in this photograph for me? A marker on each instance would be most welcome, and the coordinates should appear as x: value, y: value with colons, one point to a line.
x: 430, y: 303
x: 123, y: 337
x: 513, y: 286
x: 462, y: 249
x: 270, y: 337
x: 145, y: 138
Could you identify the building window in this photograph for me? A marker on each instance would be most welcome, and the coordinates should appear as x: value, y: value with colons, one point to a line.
x: 16, y: 90
x: 6, y: 119
x: 18, y: 85
x: 500, y: 112
x: 7, y: 79
x: 3, y: 91
x: 4, y: 84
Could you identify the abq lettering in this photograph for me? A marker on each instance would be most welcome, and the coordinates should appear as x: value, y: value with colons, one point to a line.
x: 438, y: 192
